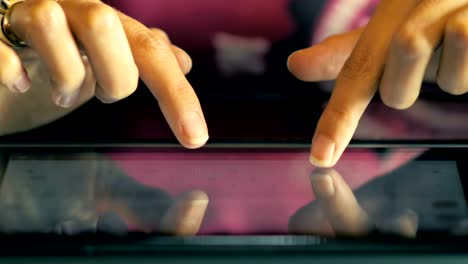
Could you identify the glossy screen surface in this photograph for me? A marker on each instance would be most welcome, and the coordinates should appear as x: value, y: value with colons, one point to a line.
x: 232, y: 191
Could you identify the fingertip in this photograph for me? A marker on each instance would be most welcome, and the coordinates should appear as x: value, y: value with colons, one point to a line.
x: 322, y: 183
x: 317, y: 63
x: 195, y: 196
x: 323, y: 61
x: 186, y: 215
x: 66, y: 100
x: 22, y: 84
x: 320, y: 163
x: 323, y: 152
x: 295, y: 65
x: 195, y: 144
x: 183, y: 58
x: 290, y: 63
x: 396, y: 100
x: 194, y: 131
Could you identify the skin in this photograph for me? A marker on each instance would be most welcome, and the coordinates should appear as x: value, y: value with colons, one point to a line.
x: 393, y: 54
x: 85, y: 66
x: 50, y: 205
x: 338, y: 211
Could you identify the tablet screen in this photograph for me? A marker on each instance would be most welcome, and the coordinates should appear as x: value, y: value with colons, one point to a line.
x: 249, y: 191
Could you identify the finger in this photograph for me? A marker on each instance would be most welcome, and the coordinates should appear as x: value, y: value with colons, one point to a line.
x: 185, y: 216
x: 323, y: 61
x: 411, y: 51
x: 452, y: 76
x: 42, y: 24
x: 12, y: 74
x: 356, y: 83
x: 161, y: 34
x: 339, y: 204
x: 310, y: 220
x: 160, y: 71
x: 404, y: 224
x: 100, y: 32
x: 184, y: 60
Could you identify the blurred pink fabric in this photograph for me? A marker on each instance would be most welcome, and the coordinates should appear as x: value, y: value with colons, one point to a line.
x: 192, y: 23
x: 341, y: 16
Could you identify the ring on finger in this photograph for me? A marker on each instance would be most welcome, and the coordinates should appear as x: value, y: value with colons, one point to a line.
x: 7, y: 35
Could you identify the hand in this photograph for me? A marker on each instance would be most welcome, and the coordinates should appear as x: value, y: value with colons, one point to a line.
x: 148, y: 208
x: 395, y: 52
x: 116, y: 50
x: 338, y: 212
x: 71, y: 193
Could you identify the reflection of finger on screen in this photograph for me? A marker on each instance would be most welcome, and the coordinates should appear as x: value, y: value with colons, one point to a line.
x: 185, y: 216
x: 310, y: 219
x: 339, y: 203
x: 404, y: 224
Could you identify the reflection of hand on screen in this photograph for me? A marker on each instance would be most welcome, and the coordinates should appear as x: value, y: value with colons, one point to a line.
x: 145, y: 208
x: 68, y: 194
x: 149, y: 209
x: 338, y: 211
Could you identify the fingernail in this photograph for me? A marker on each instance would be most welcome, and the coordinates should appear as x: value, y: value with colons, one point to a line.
x: 194, y: 129
x: 322, y: 184
x: 323, y: 151
x: 22, y: 84
x: 67, y: 100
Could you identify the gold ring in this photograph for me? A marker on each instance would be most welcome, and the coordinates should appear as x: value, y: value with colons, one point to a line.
x: 7, y: 35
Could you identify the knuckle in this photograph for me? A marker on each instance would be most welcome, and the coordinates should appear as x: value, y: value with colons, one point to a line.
x: 359, y: 66
x: 410, y: 44
x: 426, y: 4
x: 44, y: 16
x: 181, y: 91
x: 457, y: 30
x: 100, y: 18
x: 185, y: 91
x: 68, y: 82
x: 159, y: 33
x: 148, y: 42
x: 338, y: 114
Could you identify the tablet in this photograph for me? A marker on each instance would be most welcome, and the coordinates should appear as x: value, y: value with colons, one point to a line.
x: 132, y: 200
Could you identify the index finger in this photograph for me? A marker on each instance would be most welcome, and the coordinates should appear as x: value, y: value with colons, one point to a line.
x: 339, y: 203
x: 357, y: 83
x: 335, y: 211
x: 160, y: 71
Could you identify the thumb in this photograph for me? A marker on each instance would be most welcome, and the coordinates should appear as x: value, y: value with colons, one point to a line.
x: 323, y: 62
